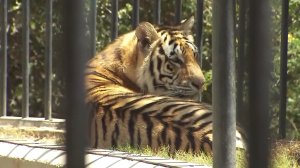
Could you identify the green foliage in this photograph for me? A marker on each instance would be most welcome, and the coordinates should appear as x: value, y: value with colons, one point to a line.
x: 37, y: 57
x: 37, y: 51
x: 293, y: 85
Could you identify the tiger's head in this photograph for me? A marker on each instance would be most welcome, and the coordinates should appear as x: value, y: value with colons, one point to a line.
x: 168, y: 60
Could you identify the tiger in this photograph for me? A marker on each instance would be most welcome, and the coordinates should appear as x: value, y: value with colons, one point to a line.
x: 144, y: 89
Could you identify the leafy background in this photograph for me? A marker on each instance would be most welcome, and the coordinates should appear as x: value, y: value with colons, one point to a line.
x: 37, y: 52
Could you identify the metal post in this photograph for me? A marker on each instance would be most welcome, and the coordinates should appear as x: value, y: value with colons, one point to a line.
x: 199, y: 31
x: 224, y: 103
x: 74, y: 60
x: 48, y: 62
x: 114, y: 23
x: 93, y: 29
x: 25, y: 62
x: 259, y: 59
x: 136, y: 13
x: 178, y: 10
x: 3, y: 61
x: 199, y: 28
x: 241, y: 62
x: 157, y: 11
x: 283, y: 67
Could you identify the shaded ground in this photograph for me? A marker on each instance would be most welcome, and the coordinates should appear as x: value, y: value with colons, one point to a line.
x: 32, y: 134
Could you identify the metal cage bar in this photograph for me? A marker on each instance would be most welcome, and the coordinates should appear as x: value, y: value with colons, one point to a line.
x: 74, y: 60
x: 25, y: 61
x: 135, y: 13
x: 3, y: 60
x: 178, y: 10
x: 199, y: 28
x: 283, y: 67
x: 157, y: 11
x: 241, y: 61
x: 93, y: 26
x: 223, y: 88
x: 114, y: 23
x: 259, y: 60
x: 48, y: 62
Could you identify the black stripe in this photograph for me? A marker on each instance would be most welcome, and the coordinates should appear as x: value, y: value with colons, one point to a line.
x: 110, y: 113
x: 158, y: 141
x: 159, y: 61
x: 151, y: 68
x: 161, y: 50
x: 181, y: 107
x: 103, y: 76
x: 171, y: 42
x: 161, y: 76
x: 202, y: 117
x: 178, y: 140
x: 189, y: 114
x: 104, y: 128
x: 191, y: 139
x: 149, y: 125
x: 133, y: 115
x: 142, y: 108
x: 166, y: 37
x: 115, y: 136
x: 208, y: 132
x: 131, y: 130
x: 139, y: 138
x: 164, y: 133
x: 175, y: 45
x: 117, y: 97
x: 120, y: 111
x: 202, y: 126
x: 165, y: 110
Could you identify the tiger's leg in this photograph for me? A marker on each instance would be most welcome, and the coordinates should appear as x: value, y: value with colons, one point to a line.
x: 93, y: 126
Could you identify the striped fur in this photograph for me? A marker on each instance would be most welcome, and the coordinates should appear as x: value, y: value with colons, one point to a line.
x: 142, y: 88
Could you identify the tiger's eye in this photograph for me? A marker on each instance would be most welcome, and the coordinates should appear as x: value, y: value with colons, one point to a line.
x: 170, y: 68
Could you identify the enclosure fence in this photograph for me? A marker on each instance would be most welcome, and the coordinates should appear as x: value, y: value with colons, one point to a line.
x: 224, y: 30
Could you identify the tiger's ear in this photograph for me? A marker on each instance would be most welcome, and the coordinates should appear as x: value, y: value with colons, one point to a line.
x: 146, y: 35
x: 187, y: 25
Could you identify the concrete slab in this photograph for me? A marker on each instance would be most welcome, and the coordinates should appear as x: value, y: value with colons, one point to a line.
x: 34, y: 153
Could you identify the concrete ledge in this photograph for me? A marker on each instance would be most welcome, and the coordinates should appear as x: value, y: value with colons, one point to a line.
x: 55, y: 124
x: 33, y: 155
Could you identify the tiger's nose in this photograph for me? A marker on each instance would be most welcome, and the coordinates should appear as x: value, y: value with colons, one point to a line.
x: 197, y: 82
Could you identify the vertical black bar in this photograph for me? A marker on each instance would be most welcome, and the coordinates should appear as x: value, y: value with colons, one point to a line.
x: 25, y: 63
x: 283, y: 67
x: 93, y: 29
x: 199, y: 33
x: 136, y: 13
x: 241, y: 61
x: 178, y: 10
x: 3, y: 60
x: 259, y: 59
x: 74, y: 62
x: 48, y: 62
x: 114, y: 23
x: 199, y: 28
x: 224, y: 103
x: 157, y: 12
